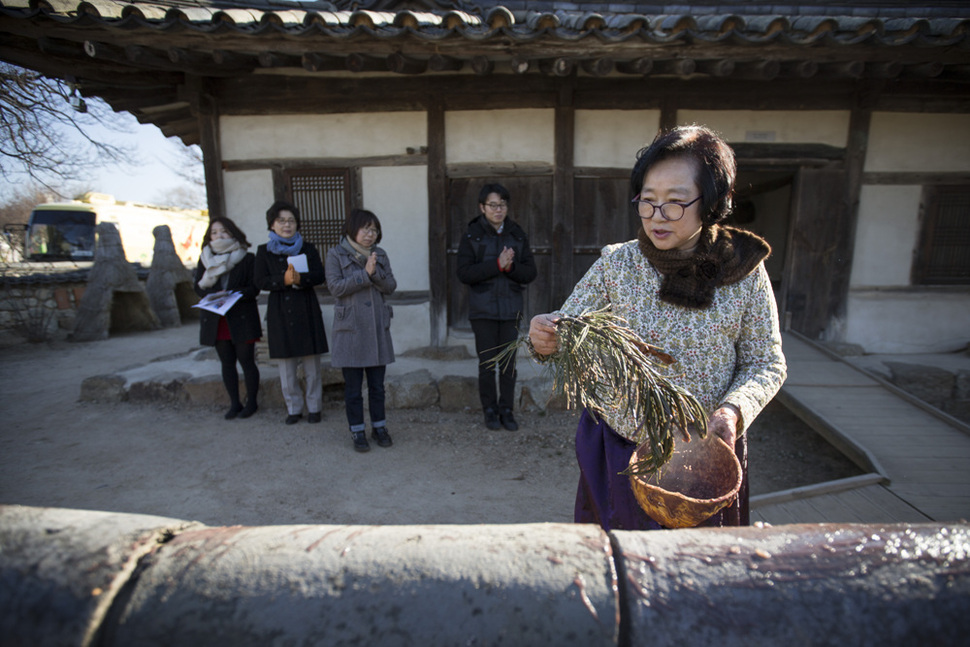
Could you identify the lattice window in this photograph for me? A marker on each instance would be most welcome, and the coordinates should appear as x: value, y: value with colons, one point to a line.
x: 943, y: 257
x: 323, y: 197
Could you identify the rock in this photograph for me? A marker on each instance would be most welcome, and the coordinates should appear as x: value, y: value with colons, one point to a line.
x: 415, y: 390
x: 103, y: 388
x: 439, y: 353
x: 458, y: 393
x: 206, y: 390
x: 930, y: 384
x: 166, y: 387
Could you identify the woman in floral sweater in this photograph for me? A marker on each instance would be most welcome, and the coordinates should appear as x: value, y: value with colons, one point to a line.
x: 694, y: 288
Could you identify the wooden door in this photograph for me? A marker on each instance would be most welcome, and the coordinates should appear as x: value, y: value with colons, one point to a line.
x: 531, y: 207
x: 819, y: 251
x: 602, y: 215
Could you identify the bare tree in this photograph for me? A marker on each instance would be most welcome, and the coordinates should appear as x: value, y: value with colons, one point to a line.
x: 46, y: 130
x: 186, y: 162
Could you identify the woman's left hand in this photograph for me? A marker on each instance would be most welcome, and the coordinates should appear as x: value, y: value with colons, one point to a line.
x: 371, y: 266
x: 724, y: 423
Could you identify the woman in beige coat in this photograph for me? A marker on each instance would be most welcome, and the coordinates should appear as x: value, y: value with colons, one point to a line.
x: 359, y: 276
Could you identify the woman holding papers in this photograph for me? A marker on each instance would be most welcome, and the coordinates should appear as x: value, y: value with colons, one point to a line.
x: 289, y: 268
x: 226, y: 268
x: 359, y: 277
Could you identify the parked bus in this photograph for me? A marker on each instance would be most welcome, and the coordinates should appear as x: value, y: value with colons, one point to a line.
x: 65, y: 231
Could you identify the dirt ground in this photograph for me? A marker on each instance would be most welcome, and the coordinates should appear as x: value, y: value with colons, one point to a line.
x: 189, y: 463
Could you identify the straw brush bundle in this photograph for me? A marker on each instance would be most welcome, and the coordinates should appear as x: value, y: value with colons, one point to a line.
x: 604, y: 366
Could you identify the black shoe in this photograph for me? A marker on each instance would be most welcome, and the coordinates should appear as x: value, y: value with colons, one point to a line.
x: 508, y: 421
x: 360, y: 441
x: 233, y: 411
x: 249, y: 410
x: 382, y: 437
x: 314, y: 417
x: 491, y: 419
x: 293, y: 418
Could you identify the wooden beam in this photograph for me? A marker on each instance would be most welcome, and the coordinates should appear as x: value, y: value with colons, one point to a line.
x: 313, y: 62
x: 362, y: 63
x: 843, y: 70
x: 59, y: 47
x: 437, y: 224
x: 207, y: 107
x: 757, y: 70
x: 556, y: 66
x: 601, y: 66
x: 277, y: 59
x: 482, y: 65
x: 885, y: 69
x: 636, y: 66
x: 675, y: 66
x: 441, y: 63
x: 922, y: 70
x: 563, y: 211
x: 401, y: 64
x: 799, y: 69
x: 520, y: 64
x: 720, y: 67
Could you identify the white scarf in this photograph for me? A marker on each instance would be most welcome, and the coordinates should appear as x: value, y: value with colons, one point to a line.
x: 218, y: 257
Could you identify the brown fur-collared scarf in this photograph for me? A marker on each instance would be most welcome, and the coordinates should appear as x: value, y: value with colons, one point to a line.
x: 724, y: 255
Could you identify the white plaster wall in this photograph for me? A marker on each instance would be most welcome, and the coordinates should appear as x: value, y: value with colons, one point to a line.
x: 774, y: 126
x: 908, y: 322
x: 886, y: 235
x: 322, y: 136
x: 611, y: 138
x: 399, y: 197
x: 248, y: 195
x: 500, y: 136
x: 917, y: 142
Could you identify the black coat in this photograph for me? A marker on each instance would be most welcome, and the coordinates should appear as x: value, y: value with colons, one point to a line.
x: 294, y: 323
x: 494, y: 294
x: 243, y: 316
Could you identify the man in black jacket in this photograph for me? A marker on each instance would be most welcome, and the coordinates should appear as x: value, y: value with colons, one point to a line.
x: 495, y: 261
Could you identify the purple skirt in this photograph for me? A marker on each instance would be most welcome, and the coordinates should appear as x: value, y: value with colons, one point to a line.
x: 605, y: 496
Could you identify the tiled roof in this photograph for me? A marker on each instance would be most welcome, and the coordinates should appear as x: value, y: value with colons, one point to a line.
x: 888, y: 24
x: 119, y: 48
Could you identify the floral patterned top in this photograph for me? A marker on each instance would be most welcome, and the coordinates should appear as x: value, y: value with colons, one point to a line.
x: 727, y: 353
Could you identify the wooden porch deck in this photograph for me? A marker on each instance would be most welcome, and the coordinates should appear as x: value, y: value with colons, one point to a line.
x: 918, y: 461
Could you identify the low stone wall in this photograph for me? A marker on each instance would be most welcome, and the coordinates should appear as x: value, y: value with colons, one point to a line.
x: 414, y: 390
x: 39, y: 310
x: 70, y: 577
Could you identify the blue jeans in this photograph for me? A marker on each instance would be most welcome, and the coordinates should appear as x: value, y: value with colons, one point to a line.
x: 354, y: 398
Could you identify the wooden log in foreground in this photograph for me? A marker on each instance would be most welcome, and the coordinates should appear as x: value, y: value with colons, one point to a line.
x: 80, y: 577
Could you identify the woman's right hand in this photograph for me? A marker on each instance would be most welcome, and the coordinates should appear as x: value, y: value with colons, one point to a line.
x: 291, y: 277
x: 542, y: 334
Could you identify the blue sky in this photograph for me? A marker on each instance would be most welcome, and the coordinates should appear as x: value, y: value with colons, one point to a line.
x: 146, y: 182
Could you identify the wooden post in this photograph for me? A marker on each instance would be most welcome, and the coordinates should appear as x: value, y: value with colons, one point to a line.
x: 437, y: 224
x: 562, y: 196
x: 206, y: 109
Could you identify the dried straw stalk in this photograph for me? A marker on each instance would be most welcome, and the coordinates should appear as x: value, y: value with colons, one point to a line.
x: 604, y: 366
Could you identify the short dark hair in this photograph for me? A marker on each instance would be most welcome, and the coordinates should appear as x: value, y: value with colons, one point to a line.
x: 230, y: 226
x: 274, y: 211
x: 489, y: 189
x: 713, y: 160
x: 357, y: 220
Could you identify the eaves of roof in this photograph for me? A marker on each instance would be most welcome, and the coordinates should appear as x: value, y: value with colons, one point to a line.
x: 729, y: 24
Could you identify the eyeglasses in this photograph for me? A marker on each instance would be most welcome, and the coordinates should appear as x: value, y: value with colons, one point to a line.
x: 669, y: 210
x: 285, y: 221
x: 497, y: 205
x: 370, y: 230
